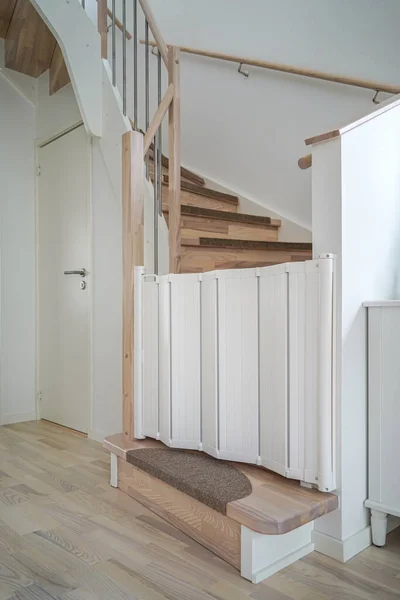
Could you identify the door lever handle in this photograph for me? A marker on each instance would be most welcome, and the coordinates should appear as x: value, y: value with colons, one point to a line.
x: 82, y: 273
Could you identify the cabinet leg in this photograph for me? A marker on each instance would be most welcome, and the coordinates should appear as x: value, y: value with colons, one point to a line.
x: 379, y: 527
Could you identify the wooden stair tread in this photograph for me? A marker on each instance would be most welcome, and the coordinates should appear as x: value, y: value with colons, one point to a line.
x: 253, y: 245
x: 223, y: 215
x: 186, y: 186
x: 276, y: 505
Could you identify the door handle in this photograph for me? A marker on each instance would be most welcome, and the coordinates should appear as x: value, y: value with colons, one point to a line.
x: 82, y: 273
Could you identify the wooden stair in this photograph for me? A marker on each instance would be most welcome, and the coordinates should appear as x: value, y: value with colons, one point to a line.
x: 215, y: 235
x: 197, y: 223
x: 30, y: 47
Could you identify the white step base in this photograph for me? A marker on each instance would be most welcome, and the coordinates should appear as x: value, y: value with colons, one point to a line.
x: 264, y: 555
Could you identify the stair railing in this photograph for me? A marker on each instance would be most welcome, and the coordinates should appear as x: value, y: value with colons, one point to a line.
x: 139, y: 146
x: 167, y: 103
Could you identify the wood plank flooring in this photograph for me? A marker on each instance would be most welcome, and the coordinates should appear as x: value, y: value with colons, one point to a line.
x: 65, y: 534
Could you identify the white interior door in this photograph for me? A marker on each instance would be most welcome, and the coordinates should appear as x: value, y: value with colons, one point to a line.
x: 64, y: 307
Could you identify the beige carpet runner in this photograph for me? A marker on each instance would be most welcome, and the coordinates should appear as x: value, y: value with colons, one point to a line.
x: 204, y: 478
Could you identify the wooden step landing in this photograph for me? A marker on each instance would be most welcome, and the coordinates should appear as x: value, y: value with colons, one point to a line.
x: 199, y: 222
x: 276, y: 505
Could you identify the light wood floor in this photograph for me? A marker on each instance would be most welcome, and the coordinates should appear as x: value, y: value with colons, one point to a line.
x: 65, y: 534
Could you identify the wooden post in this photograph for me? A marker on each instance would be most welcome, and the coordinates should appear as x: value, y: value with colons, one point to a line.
x: 132, y: 255
x: 102, y: 26
x: 174, y: 196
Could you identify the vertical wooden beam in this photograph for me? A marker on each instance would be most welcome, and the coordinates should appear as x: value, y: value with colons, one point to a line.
x: 102, y: 26
x: 132, y: 255
x: 174, y: 196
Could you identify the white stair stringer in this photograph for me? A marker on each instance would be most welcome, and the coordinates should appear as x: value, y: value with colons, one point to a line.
x: 80, y: 44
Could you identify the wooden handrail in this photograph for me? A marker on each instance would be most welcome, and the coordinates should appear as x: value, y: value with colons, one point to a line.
x: 158, y: 117
x: 305, y: 162
x: 384, y: 107
x: 352, y: 81
x: 159, y: 40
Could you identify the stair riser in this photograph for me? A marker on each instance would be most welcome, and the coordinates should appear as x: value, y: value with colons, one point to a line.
x: 192, y: 228
x: 198, y: 259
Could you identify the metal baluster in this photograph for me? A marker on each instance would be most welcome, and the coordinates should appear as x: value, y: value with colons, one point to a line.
x: 135, y: 67
x: 159, y: 141
x: 147, y: 88
x: 113, y: 45
x: 155, y: 222
x: 124, y: 56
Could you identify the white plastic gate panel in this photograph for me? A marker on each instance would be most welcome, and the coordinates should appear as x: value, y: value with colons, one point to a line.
x: 239, y: 364
x: 273, y: 309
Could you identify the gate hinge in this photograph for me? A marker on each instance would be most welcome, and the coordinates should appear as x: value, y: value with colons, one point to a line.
x: 38, y: 171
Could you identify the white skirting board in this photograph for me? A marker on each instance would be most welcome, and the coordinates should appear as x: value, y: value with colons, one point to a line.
x: 264, y: 555
x: 342, y: 550
x: 17, y: 418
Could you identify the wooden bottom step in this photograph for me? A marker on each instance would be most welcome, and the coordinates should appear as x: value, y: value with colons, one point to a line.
x: 259, y: 534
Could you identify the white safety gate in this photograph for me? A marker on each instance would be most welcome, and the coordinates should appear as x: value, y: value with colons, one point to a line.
x: 240, y: 364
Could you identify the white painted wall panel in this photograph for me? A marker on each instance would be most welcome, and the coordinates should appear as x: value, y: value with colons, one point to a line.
x: 17, y: 257
x: 209, y: 362
x: 384, y: 406
x: 150, y: 359
x: 164, y: 349
x: 238, y: 365
x: 375, y: 403
x: 273, y: 368
x: 185, y: 361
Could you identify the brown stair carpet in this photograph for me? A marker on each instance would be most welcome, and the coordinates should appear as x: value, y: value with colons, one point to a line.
x: 211, y: 213
x: 211, y: 482
x: 255, y: 245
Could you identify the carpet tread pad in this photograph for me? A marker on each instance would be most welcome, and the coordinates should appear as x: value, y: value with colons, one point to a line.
x: 204, y: 478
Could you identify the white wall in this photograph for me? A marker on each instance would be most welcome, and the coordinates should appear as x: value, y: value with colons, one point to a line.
x: 56, y: 113
x: 17, y: 256
x: 247, y: 134
x: 356, y: 214
x: 107, y: 302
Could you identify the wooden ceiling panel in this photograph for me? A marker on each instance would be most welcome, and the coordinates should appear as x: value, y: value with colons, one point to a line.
x: 29, y: 42
x: 59, y: 76
x: 6, y: 12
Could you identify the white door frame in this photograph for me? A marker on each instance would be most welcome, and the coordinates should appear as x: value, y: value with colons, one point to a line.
x: 40, y: 143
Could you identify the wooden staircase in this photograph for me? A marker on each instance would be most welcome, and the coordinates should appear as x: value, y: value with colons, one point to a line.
x: 216, y: 235
x: 30, y: 47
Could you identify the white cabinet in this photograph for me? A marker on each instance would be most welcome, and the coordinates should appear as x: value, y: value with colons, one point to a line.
x: 383, y: 415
